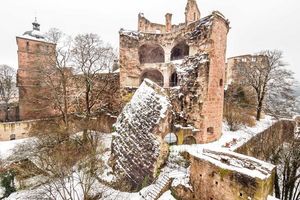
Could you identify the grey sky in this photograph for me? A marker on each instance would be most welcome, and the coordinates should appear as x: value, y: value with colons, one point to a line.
x: 256, y: 24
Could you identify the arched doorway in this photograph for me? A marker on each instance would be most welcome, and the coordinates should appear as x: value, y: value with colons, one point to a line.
x: 180, y: 51
x: 151, y: 53
x: 189, y: 140
x: 174, y: 80
x: 154, y: 75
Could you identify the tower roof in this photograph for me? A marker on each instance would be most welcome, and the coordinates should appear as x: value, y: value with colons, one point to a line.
x: 36, y: 25
x: 35, y: 33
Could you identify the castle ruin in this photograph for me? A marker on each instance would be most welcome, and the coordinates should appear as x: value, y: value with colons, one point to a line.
x: 158, y: 52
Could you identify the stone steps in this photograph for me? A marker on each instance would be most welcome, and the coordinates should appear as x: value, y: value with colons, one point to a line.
x: 157, y: 189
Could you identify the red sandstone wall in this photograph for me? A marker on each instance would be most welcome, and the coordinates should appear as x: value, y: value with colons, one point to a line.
x: 213, y: 103
x: 263, y: 145
x: 206, y: 38
x: 31, y: 58
x: 211, y: 182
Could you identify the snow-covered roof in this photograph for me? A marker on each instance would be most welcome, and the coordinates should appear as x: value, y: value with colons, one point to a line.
x: 34, y: 35
x: 236, y: 162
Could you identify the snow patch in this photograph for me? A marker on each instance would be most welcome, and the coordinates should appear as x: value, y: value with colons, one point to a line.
x: 7, y: 147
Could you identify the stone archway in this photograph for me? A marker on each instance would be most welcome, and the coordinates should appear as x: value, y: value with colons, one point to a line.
x: 154, y: 75
x: 151, y: 53
x: 180, y: 51
x: 189, y: 140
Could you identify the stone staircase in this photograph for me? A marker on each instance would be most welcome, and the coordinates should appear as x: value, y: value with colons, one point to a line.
x: 158, y: 188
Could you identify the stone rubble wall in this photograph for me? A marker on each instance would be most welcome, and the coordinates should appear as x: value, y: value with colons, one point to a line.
x: 263, y: 145
x: 24, y: 129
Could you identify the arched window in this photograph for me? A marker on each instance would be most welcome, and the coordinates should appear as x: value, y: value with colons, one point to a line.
x: 151, y: 53
x: 174, y: 80
x: 154, y: 75
x: 180, y: 51
x: 189, y: 140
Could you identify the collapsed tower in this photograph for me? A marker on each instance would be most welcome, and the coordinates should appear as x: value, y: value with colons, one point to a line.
x: 162, y: 53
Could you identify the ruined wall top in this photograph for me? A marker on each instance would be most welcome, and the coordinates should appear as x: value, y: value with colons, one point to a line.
x: 192, y: 14
x: 237, y: 162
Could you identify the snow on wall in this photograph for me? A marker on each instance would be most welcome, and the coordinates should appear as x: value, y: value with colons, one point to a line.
x: 131, y: 34
x: 237, y: 162
x: 201, y: 28
x: 189, y: 66
x: 136, y: 144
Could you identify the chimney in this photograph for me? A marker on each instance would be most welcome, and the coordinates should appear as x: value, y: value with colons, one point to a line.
x: 168, y: 22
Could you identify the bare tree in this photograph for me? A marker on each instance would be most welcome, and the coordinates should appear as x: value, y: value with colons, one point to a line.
x: 270, y: 81
x: 8, y: 89
x: 59, y: 74
x: 91, y: 57
x: 56, y: 74
x: 287, y: 177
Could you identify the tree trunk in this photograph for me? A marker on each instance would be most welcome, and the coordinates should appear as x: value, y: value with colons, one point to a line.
x: 6, y: 112
x: 259, y: 110
x: 277, y: 187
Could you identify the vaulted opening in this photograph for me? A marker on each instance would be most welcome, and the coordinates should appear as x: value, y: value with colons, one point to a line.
x: 174, y: 80
x: 180, y: 51
x: 154, y: 75
x: 210, y: 130
x: 12, y: 137
x: 189, y: 140
x: 151, y: 53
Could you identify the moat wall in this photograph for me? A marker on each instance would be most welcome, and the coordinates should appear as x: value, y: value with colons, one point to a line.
x: 263, y: 145
x: 23, y: 129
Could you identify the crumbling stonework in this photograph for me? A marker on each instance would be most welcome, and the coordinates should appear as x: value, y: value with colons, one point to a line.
x: 234, y: 64
x: 218, y: 175
x: 153, y: 51
x: 138, y: 150
x: 264, y: 145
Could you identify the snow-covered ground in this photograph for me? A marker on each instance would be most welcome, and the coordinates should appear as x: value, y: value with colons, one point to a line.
x: 230, y: 141
x: 272, y: 198
x: 7, y: 147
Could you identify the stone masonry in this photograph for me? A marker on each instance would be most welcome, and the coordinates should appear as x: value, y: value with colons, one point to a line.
x: 153, y: 51
x: 33, y: 52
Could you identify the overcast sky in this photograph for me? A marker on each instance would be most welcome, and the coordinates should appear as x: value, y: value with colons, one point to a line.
x: 255, y: 24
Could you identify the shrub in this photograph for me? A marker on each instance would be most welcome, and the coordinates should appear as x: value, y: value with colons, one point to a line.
x: 7, y: 182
